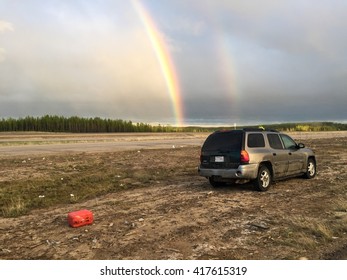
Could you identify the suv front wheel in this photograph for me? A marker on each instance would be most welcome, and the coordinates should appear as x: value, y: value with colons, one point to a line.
x: 263, y: 181
x: 311, y: 169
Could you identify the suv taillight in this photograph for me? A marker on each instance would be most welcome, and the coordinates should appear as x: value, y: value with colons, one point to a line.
x: 244, y: 156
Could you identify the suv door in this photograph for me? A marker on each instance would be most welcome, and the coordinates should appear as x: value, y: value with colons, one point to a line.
x: 278, y: 154
x: 296, y: 157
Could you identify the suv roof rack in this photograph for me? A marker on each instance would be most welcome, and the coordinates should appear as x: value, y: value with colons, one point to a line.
x: 259, y: 129
x: 253, y: 129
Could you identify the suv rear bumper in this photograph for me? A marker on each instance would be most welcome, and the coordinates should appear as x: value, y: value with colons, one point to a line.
x: 247, y: 171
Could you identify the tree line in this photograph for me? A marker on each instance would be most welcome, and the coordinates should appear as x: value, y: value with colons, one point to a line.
x: 309, y: 126
x: 76, y: 124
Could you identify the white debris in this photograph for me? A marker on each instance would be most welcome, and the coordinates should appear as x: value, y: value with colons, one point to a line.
x: 72, y: 195
x: 260, y: 224
x: 41, y: 196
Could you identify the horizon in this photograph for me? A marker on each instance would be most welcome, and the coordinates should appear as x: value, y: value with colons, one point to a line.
x: 213, y: 123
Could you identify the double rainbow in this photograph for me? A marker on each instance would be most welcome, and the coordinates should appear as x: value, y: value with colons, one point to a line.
x: 164, y: 59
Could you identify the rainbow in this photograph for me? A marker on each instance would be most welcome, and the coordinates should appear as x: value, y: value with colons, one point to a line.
x: 164, y: 59
x: 227, y: 68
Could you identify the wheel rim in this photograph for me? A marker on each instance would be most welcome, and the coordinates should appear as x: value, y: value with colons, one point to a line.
x: 311, y: 169
x: 265, y: 179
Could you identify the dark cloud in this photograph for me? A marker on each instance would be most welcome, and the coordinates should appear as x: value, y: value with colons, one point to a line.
x: 236, y: 61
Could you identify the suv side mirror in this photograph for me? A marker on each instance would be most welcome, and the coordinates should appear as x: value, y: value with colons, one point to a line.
x: 300, y: 146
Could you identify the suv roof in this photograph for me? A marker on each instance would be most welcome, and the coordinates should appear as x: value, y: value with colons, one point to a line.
x: 247, y: 129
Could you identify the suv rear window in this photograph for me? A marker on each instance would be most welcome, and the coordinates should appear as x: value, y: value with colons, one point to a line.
x: 274, y: 141
x: 224, y: 141
x: 255, y: 140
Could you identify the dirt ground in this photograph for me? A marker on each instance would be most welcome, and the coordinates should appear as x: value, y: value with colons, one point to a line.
x: 164, y: 210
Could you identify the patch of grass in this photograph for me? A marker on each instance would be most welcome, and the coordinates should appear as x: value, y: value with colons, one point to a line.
x: 14, y: 208
x: 306, y: 234
x: 306, y: 241
x: 340, y: 205
x: 62, y: 179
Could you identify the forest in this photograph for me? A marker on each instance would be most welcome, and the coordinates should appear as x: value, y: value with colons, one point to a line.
x: 77, y: 124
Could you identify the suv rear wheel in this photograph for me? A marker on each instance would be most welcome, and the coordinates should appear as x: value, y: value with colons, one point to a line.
x: 263, y: 181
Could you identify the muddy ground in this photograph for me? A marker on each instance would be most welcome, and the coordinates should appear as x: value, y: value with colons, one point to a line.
x: 161, y: 209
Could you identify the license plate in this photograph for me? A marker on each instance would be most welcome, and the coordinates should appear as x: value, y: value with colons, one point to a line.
x: 219, y: 159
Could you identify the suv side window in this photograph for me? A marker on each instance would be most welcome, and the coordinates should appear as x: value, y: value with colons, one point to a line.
x: 275, y: 141
x: 288, y: 142
x: 255, y: 140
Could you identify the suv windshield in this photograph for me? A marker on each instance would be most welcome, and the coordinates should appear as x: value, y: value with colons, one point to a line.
x: 224, y: 141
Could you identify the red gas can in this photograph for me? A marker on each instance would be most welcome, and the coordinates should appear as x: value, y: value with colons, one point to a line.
x: 80, y: 218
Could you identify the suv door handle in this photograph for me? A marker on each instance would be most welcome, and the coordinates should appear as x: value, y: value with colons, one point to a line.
x: 274, y: 154
x: 290, y: 154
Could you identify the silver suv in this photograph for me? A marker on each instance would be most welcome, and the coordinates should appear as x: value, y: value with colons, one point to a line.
x: 261, y: 156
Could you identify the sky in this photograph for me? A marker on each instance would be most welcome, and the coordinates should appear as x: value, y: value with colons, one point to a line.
x: 175, y: 62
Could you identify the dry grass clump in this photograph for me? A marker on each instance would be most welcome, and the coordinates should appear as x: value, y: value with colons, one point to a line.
x: 310, y: 233
x: 15, y: 207
x: 340, y: 205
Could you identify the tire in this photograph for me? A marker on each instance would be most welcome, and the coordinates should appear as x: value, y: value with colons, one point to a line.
x: 264, y: 179
x: 214, y: 183
x: 311, y: 169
